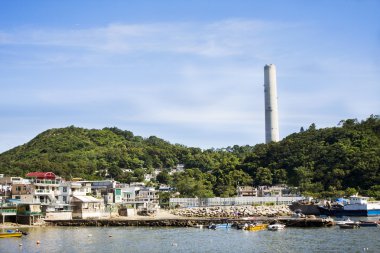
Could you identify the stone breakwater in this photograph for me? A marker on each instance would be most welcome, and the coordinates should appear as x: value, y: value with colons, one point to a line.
x: 191, y: 222
x: 234, y: 211
x: 133, y: 223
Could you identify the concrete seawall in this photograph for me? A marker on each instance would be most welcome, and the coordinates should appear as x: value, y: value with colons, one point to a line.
x: 290, y: 222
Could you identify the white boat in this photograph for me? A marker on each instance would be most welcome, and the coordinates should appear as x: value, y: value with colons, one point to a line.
x: 344, y: 221
x: 357, y: 206
x: 275, y: 227
x: 349, y: 225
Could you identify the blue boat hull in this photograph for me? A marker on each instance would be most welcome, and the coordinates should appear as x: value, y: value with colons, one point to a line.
x: 223, y: 225
x: 342, y: 212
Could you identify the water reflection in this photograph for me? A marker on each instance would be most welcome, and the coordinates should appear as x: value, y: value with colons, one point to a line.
x: 142, y: 239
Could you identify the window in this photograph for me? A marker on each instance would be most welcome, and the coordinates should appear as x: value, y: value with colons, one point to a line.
x: 64, y: 198
x: 64, y: 189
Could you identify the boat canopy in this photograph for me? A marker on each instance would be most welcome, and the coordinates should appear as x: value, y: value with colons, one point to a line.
x: 342, y: 201
x: 41, y: 175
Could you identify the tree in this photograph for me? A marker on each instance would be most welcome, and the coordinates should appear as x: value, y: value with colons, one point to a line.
x: 139, y: 174
x: 304, y: 176
x: 350, y: 192
x: 164, y: 198
x: 280, y: 176
x: 263, y: 176
x: 374, y: 192
x: 312, y: 127
x: 239, y: 177
x: 164, y: 177
x: 115, y: 172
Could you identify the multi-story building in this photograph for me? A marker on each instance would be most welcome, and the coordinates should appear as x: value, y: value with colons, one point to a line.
x: 137, y: 196
x: 70, y: 189
x: 247, y: 191
x: 45, y: 188
x: 22, y: 192
x: 272, y: 191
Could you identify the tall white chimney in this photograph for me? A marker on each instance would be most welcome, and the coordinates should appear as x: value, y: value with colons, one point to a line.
x: 271, y: 109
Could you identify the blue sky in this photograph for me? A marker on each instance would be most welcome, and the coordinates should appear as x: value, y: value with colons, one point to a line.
x: 190, y: 72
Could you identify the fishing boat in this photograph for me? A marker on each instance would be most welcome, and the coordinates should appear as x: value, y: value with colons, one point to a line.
x: 306, y: 207
x: 10, y: 233
x: 276, y: 227
x: 356, y: 206
x: 255, y: 227
x: 344, y: 221
x: 368, y: 224
x: 222, y: 225
x: 349, y: 225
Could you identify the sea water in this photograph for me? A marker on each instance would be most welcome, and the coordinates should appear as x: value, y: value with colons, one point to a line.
x: 145, y: 239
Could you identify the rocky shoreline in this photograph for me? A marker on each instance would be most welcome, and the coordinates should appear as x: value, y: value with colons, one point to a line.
x: 192, y: 222
x: 234, y: 211
x: 200, y: 216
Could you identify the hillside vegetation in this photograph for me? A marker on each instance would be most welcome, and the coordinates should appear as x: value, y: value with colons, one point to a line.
x: 324, y: 162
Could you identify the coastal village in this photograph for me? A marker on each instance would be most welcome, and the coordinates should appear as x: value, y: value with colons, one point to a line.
x: 45, y: 196
x: 189, y: 126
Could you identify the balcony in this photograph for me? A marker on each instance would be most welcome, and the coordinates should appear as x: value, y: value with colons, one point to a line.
x: 46, y: 182
x: 8, y: 211
x: 43, y: 192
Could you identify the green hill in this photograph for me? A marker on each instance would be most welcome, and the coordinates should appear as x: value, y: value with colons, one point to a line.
x: 319, y: 161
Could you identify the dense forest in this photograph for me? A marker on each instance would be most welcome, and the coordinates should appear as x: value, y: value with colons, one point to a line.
x: 325, y: 162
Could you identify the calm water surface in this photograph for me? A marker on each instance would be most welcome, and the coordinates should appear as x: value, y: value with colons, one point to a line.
x: 142, y: 239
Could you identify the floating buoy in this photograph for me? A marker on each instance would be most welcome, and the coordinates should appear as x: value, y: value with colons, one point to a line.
x: 38, y: 242
x: 20, y: 244
x: 89, y: 235
x: 174, y: 244
x: 110, y: 236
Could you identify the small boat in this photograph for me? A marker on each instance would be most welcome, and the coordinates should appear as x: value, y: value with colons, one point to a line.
x: 349, y: 225
x: 255, y: 227
x: 223, y: 225
x: 10, y: 233
x: 276, y: 226
x: 368, y: 224
x: 344, y: 221
x: 238, y: 226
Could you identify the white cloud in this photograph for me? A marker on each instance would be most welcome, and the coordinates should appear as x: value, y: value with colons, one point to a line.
x: 229, y: 37
x: 206, y: 78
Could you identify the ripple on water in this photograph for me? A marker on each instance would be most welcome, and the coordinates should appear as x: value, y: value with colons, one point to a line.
x: 142, y: 239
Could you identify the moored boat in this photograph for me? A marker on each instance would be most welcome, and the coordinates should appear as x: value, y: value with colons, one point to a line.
x: 276, y: 226
x: 222, y: 225
x: 349, y: 225
x: 357, y: 206
x: 10, y: 233
x: 344, y: 221
x: 368, y: 224
x: 305, y: 207
x: 255, y: 227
